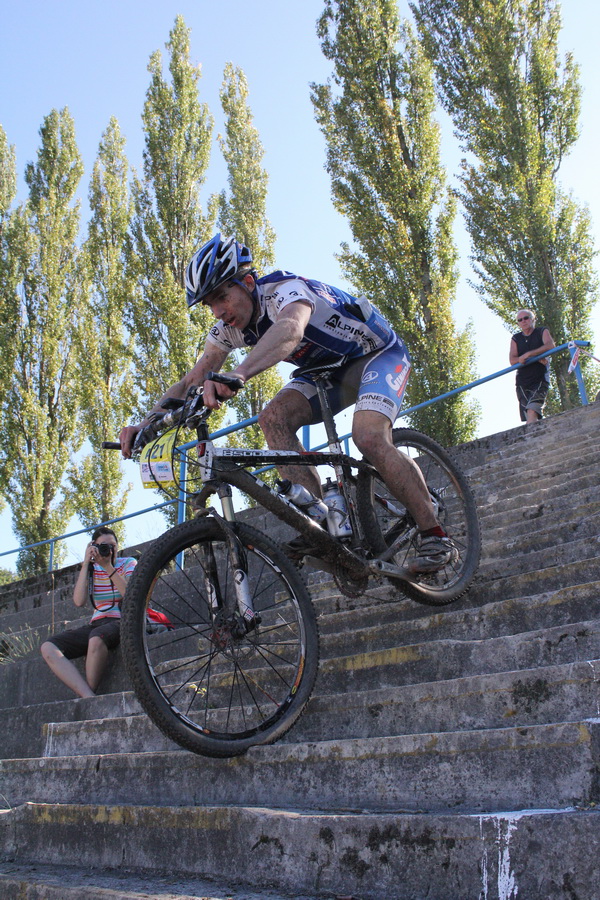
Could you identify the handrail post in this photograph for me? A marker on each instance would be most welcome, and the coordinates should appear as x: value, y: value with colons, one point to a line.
x: 574, y: 351
x: 181, y: 503
x: 306, y: 437
x: 51, y: 559
x: 181, y: 498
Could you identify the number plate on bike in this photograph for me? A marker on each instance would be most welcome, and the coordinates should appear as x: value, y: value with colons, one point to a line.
x: 156, y: 462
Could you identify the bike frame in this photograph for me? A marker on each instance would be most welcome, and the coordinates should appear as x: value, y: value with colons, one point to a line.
x: 223, y: 467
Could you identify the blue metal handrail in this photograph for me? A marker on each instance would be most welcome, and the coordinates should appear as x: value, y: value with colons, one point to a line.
x: 571, y: 346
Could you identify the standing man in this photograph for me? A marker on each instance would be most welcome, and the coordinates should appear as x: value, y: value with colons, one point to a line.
x: 532, y: 380
x: 106, y: 574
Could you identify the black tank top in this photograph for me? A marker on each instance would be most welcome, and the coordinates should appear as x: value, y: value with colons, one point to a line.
x: 531, y: 374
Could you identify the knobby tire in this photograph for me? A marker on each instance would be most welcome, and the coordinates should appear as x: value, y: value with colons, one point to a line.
x: 456, y: 509
x: 207, y: 688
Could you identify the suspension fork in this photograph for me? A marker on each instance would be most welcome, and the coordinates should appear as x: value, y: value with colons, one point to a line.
x: 239, y: 562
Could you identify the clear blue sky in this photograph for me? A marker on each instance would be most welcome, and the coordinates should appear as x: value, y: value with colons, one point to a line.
x: 92, y: 57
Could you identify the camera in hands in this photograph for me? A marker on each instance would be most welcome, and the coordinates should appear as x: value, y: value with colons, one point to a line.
x: 103, y: 549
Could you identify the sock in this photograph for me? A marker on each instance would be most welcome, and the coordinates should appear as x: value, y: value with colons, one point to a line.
x: 438, y: 531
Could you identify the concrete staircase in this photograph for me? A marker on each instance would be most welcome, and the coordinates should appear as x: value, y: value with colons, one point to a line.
x: 447, y: 754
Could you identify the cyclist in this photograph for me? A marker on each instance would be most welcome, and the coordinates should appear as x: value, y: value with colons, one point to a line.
x: 285, y: 317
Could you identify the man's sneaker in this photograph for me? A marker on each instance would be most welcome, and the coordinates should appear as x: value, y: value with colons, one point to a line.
x: 433, y: 553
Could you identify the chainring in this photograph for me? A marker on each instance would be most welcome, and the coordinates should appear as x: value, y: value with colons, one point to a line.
x: 350, y: 587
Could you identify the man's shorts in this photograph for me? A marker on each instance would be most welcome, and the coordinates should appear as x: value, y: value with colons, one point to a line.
x: 374, y: 382
x: 532, y: 398
x: 74, y: 643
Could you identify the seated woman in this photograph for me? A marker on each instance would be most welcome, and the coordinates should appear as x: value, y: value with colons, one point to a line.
x: 94, y: 640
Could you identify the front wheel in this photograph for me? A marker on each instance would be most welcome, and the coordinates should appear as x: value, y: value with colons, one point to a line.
x: 386, y: 522
x: 211, y: 684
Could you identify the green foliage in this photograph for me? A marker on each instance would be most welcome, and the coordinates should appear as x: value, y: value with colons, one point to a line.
x: 515, y: 107
x: 39, y: 425
x: 242, y: 212
x: 7, y: 577
x: 169, y: 223
x: 105, y: 363
x: 9, y: 301
x: 383, y: 158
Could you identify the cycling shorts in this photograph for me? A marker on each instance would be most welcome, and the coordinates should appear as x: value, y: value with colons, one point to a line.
x: 374, y: 382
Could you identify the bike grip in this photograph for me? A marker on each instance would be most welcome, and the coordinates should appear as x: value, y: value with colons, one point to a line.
x: 231, y: 381
x: 111, y: 445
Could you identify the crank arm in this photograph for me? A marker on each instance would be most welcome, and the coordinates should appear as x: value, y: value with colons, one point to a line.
x: 379, y: 567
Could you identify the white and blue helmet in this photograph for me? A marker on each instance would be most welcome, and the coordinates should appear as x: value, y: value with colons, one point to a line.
x: 216, y: 262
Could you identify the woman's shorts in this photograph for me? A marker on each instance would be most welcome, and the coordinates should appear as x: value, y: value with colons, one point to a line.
x: 74, y: 643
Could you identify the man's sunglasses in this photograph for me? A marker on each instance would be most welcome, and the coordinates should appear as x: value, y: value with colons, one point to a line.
x: 523, y: 318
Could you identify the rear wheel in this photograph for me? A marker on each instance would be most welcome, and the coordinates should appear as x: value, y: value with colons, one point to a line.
x: 385, y: 521
x: 211, y: 684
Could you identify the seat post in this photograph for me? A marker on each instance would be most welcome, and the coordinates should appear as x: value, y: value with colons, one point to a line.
x: 328, y: 418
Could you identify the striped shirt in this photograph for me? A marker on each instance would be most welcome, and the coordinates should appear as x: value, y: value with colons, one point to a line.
x: 107, y: 599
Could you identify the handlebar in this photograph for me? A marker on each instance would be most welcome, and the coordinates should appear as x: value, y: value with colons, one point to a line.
x: 174, y: 412
x: 231, y: 381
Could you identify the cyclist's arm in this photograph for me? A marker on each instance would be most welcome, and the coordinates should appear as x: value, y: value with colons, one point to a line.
x: 212, y: 358
x: 278, y: 342
x: 275, y: 345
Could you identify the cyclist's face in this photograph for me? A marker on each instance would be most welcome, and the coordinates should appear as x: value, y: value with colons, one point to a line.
x: 232, y: 304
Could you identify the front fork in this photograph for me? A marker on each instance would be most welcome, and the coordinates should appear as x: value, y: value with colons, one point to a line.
x: 239, y: 566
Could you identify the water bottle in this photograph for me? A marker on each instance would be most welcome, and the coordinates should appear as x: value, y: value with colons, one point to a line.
x: 338, y: 521
x: 304, y: 500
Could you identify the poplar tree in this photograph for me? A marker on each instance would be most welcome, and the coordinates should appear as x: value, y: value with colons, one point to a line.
x: 515, y: 107
x: 40, y: 419
x: 169, y: 223
x: 9, y: 305
x: 377, y: 115
x: 242, y: 212
x: 106, y: 378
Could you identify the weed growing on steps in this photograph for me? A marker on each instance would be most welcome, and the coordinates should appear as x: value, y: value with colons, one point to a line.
x: 18, y: 645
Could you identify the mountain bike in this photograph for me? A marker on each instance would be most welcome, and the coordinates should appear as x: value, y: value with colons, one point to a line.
x: 239, y: 666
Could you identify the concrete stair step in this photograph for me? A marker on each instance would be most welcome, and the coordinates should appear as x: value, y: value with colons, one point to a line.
x: 47, y: 614
x: 565, y: 430
x: 557, y: 457
x: 539, y: 520
x: 557, y: 478
x: 38, y: 590
x: 24, y: 728
x: 464, y: 619
x: 537, y: 766
x: 550, y: 578
x: 446, y: 658
x: 463, y: 626
x: 29, y: 681
x: 530, y: 558
x: 298, y: 854
x: 527, y: 497
x: 64, y: 882
x: 541, y: 523
x: 532, y: 697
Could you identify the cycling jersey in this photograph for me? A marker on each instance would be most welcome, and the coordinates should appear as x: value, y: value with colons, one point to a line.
x: 341, y: 327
